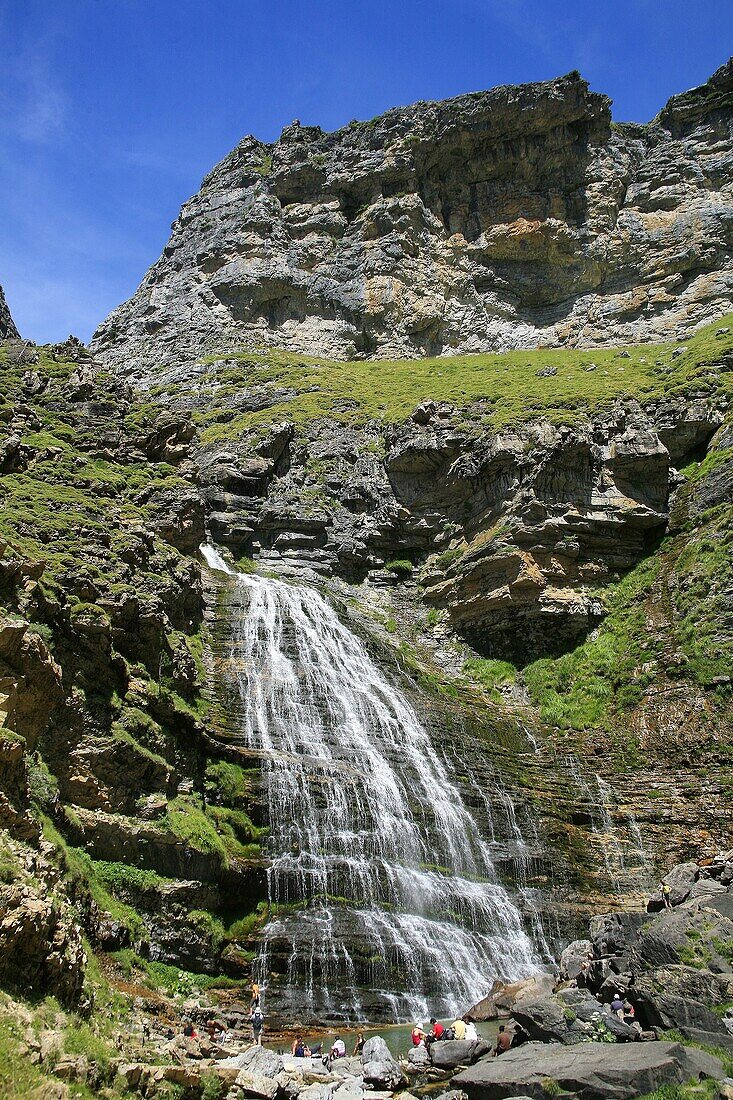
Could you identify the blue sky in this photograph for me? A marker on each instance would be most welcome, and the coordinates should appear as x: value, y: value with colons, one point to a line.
x: 112, y: 111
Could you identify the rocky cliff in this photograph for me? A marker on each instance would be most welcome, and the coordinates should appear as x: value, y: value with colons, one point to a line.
x: 8, y: 331
x: 519, y: 217
x: 535, y: 542
x: 121, y: 818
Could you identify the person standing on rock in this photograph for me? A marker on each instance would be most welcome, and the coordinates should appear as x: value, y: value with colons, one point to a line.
x: 255, y: 990
x: 666, y: 891
x: 258, y: 1022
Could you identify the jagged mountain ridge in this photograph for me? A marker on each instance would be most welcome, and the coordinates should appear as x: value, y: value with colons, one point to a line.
x: 517, y: 217
x: 8, y: 331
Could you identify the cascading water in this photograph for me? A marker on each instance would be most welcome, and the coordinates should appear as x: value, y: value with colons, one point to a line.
x: 626, y: 861
x: 397, y: 908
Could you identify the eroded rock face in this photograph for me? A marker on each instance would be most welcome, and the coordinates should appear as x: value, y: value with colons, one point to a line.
x: 41, y: 949
x: 8, y: 331
x: 514, y: 531
x: 516, y: 217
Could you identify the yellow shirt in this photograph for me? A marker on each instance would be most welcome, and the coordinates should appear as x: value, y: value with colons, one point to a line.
x: 460, y: 1029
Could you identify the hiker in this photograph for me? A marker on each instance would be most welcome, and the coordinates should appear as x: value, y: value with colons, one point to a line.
x: 258, y: 1022
x: 255, y: 997
x: 359, y: 1044
x: 617, y: 1006
x: 666, y: 891
x: 459, y: 1028
x: 503, y: 1041
x: 471, y: 1035
x: 418, y: 1035
x: 338, y: 1050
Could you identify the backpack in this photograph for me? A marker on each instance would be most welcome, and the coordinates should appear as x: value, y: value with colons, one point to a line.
x: 449, y: 1033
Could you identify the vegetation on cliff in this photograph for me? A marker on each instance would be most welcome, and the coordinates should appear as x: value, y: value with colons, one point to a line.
x: 247, y: 390
x: 102, y: 711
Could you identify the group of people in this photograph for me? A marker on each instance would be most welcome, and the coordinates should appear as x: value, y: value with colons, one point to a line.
x: 461, y: 1028
x: 464, y: 1028
x: 301, y: 1049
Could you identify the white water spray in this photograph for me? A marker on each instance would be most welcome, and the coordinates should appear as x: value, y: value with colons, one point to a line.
x: 366, y: 825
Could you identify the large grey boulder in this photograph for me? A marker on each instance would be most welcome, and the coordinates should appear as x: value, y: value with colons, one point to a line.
x: 681, y: 997
x: 418, y: 1056
x: 613, y: 933
x: 575, y: 958
x: 689, y: 934
x: 500, y: 1001
x: 379, y: 1067
x: 256, y: 1085
x: 458, y: 1052
x: 572, y: 1016
x: 592, y: 1071
x: 260, y: 1060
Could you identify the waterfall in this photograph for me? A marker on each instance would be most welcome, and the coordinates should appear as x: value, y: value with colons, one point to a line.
x: 626, y: 861
x: 386, y: 900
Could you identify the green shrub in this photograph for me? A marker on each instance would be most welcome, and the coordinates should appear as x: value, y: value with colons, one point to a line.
x: 42, y: 785
x: 402, y: 568
x: 227, y: 782
x: 447, y: 557
x: 212, y: 1086
x: 188, y: 822
x: 81, y: 1039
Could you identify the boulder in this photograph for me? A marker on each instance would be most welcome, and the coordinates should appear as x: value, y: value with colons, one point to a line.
x: 379, y: 1068
x: 681, y: 880
x: 613, y: 933
x: 418, y: 1056
x: 458, y: 1052
x: 504, y: 999
x: 575, y: 958
x: 594, y: 1071
x: 680, y: 997
x: 256, y: 1085
x: 546, y: 1021
x: 262, y: 1061
x: 720, y: 1040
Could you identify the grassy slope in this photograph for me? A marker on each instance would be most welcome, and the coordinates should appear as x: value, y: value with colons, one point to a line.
x: 503, y: 388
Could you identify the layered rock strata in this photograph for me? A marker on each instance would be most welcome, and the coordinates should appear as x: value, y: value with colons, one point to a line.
x: 518, y: 217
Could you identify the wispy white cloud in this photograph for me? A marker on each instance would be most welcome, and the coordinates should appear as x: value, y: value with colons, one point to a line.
x: 33, y: 104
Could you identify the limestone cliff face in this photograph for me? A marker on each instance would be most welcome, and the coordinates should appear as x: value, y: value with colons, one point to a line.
x: 517, y: 217
x: 8, y: 331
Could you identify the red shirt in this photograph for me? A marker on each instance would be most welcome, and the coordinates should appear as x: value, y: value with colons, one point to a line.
x: 438, y: 1030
